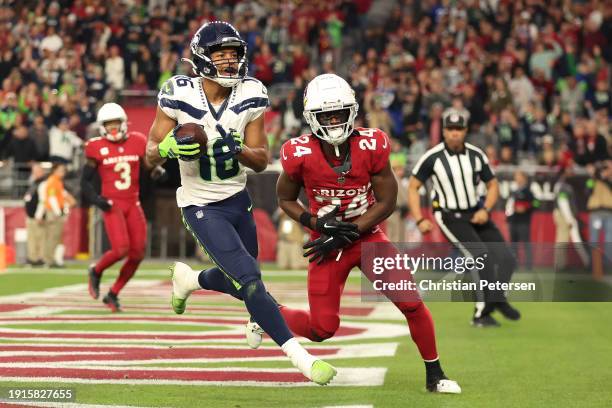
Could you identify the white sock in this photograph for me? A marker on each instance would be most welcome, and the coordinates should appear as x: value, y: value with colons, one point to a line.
x: 194, y: 282
x: 300, y: 358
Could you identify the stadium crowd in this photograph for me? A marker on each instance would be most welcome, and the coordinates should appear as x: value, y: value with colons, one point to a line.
x: 533, y: 75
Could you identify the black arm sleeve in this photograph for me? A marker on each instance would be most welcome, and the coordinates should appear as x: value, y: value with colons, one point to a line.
x: 88, y: 190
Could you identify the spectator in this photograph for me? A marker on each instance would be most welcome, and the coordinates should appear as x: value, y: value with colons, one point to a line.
x: 519, y: 208
x: 39, y: 134
x: 23, y: 151
x: 63, y: 143
x: 34, y: 226
x: 115, y: 69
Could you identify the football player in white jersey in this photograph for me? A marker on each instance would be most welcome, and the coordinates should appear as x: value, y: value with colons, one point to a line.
x: 213, y: 199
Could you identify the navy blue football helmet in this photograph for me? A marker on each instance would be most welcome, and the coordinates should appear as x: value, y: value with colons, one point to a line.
x: 212, y: 37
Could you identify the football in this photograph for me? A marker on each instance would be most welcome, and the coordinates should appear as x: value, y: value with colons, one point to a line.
x: 188, y: 133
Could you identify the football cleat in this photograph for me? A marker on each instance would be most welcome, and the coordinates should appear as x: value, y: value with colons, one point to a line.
x: 94, y: 282
x: 112, y: 301
x: 485, y: 321
x: 254, y: 334
x: 444, y: 386
x: 182, y: 285
x: 322, y: 373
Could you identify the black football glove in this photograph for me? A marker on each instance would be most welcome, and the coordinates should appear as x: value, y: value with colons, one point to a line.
x: 103, y: 204
x: 321, y: 247
x: 329, y: 225
x: 232, y: 140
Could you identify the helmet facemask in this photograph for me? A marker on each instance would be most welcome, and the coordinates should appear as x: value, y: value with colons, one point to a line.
x: 117, y: 133
x: 203, y: 65
x: 333, y: 125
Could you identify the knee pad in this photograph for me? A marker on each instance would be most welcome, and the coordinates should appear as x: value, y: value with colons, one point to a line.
x: 324, y: 327
x: 253, y: 290
x: 120, y: 251
x: 410, y: 309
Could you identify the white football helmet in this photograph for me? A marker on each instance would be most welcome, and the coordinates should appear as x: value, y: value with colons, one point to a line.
x: 327, y: 93
x: 109, y: 112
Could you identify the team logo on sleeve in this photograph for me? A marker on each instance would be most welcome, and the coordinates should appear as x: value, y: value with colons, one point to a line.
x: 104, y: 151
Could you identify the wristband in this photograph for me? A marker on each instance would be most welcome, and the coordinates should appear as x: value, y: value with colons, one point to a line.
x: 420, y: 221
x: 305, y: 218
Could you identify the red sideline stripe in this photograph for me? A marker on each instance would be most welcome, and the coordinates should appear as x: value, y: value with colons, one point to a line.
x: 98, y: 374
x: 13, y: 307
x: 107, y: 319
x: 133, y: 353
x: 356, y: 311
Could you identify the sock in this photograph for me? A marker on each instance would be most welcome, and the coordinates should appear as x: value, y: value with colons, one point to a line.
x: 433, y: 371
x: 300, y: 358
x: 422, y: 331
x: 265, y: 312
x: 215, y: 279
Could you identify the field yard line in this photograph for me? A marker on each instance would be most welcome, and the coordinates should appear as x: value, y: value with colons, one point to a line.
x: 142, y: 273
x: 230, y: 330
x: 347, y: 376
x: 52, y: 353
x: 63, y: 290
x: 169, y: 321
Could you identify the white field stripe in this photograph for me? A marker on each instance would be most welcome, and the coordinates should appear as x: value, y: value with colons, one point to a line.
x: 371, y: 376
x: 236, y: 330
x: 350, y: 351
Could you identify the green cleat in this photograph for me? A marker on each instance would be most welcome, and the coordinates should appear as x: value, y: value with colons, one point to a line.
x: 322, y: 373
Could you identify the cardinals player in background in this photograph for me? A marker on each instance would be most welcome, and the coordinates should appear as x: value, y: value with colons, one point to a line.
x: 351, y: 189
x: 117, y: 156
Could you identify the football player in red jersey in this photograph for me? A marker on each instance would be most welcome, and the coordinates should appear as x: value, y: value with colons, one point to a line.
x: 351, y: 189
x: 116, y: 156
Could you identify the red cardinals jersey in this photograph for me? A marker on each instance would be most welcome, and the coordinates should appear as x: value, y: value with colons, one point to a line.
x: 304, y: 162
x: 118, y: 164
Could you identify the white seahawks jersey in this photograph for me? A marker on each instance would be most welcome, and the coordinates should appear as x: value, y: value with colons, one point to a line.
x: 215, y: 176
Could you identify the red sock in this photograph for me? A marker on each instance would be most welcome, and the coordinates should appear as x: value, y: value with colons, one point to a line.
x: 125, y: 274
x: 422, y: 331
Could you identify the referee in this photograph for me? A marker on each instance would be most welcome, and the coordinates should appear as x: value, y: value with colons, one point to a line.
x: 456, y: 168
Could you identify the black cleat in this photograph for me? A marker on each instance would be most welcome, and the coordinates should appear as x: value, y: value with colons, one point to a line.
x: 508, y: 311
x: 94, y: 282
x: 485, y: 321
x: 112, y: 302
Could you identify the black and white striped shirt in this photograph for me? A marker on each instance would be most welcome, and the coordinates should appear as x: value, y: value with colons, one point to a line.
x: 455, y: 176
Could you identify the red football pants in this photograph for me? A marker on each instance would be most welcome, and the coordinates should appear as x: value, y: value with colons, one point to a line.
x: 126, y: 228
x: 325, y: 285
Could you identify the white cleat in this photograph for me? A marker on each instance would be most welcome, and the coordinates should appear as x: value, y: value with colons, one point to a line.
x: 445, y: 386
x: 184, y: 283
x: 254, y: 334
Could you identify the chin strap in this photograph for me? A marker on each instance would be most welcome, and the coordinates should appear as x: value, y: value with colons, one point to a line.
x: 337, y: 150
x: 193, y: 66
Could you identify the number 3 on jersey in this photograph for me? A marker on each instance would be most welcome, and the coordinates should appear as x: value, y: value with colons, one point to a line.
x: 124, y: 170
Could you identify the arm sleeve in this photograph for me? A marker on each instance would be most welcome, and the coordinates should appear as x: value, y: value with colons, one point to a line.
x: 87, y: 188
